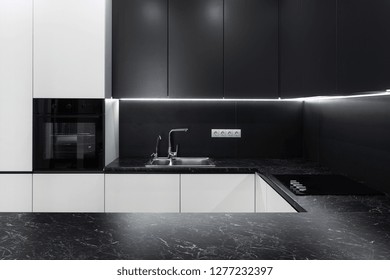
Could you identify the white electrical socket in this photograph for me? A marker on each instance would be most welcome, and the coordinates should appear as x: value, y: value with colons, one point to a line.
x: 226, y: 133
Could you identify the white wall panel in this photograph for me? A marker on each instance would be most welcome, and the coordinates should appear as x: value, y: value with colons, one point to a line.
x: 111, y: 130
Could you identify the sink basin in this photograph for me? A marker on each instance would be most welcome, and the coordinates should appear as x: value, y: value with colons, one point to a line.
x: 159, y: 162
x: 181, y: 162
x: 192, y: 161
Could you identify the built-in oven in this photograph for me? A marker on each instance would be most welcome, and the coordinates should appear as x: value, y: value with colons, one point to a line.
x: 68, y: 135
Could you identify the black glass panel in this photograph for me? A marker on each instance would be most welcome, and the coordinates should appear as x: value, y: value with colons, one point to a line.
x: 67, y: 141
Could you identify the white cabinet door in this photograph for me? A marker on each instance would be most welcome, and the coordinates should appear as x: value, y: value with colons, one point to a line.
x: 142, y: 193
x: 261, y: 195
x: 268, y: 200
x: 68, y: 192
x: 276, y: 203
x: 217, y: 193
x: 15, y: 85
x: 15, y: 192
x: 71, y: 52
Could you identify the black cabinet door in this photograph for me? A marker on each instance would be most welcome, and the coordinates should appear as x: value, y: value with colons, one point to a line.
x: 364, y: 45
x: 139, y: 48
x: 251, y: 48
x: 308, y: 47
x: 195, y: 49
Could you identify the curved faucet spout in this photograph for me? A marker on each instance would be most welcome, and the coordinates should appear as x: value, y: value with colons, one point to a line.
x: 171, y: 153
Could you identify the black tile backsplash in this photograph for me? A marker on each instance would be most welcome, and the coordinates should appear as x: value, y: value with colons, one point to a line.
x: 269, y: 129
x: 351, y: 136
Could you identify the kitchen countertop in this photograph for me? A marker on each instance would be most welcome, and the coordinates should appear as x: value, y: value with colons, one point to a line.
x: 341, y: 235
x: 334, y: 227
x: 264, y: 166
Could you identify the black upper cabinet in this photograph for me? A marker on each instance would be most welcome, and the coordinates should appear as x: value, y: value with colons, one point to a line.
x: 195, y: 49
x: 308, y: 47
x: 140, y: 48
x: 251, y: 48
x: 364, y: 45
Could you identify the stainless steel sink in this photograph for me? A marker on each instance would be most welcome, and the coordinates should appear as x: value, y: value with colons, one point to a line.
x: 183, y: 161
x: 159, y: 162
x: 180, y: 162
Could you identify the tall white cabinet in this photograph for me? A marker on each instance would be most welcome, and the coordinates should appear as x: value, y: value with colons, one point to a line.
x: 15, y: 85
x: 72, y: 48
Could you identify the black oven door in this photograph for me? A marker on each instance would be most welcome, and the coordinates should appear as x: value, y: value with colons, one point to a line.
x: 68, y: 143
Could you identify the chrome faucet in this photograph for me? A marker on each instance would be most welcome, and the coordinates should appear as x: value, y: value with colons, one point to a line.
x: 155, y: 155
x: 171, y: 153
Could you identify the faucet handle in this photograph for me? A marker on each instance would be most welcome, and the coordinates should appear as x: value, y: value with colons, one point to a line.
x: 174, y: 153
x: 177, y: 149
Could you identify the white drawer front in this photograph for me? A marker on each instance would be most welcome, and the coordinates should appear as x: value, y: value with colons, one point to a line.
x: 217, y: 193
x: 142, y: 193
x: 68, y: 193
x: 15, y: 192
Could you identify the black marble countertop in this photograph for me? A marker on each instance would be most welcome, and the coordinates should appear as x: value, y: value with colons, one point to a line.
x: 334, y: 227
x: 264, y: 166
x: 338, y: 235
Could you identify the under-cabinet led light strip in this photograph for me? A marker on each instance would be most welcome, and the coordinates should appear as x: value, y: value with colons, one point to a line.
x: 206, y: 100
x: 387, y: 92
x: 300, y: 99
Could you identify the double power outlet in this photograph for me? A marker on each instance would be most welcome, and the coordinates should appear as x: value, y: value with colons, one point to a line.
x: 228, y: 133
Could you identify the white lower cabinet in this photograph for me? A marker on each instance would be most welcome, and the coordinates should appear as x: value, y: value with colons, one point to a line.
x: 217, y: 193
x: 159, y: 193
x: 68, y: 193
x: 15, y: 192
x: 142, y: 193
x: 268, y: 200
